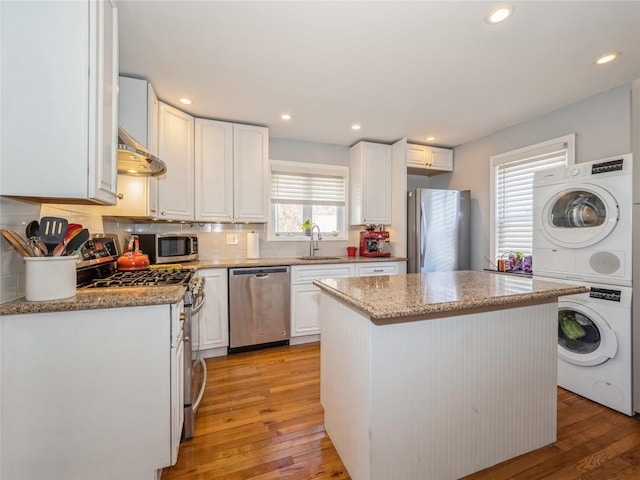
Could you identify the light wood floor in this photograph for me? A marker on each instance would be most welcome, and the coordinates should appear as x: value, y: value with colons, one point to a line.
x: 261, y: 419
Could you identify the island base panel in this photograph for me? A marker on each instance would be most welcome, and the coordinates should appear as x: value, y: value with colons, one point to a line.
x: 437, y: 399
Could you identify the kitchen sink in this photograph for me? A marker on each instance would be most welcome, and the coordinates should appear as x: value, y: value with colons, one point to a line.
x: 317, y: 257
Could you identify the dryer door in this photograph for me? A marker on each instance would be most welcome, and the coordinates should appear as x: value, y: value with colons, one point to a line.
x: 579, y: 216
x: 584, y: 337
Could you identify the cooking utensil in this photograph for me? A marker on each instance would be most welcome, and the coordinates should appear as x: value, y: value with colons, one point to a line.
x: 77, y: 240
x: 52, y: 232
x: 33, y: 229
x: 71, y: 229
x: 33, y: 239
x: 17, y: 242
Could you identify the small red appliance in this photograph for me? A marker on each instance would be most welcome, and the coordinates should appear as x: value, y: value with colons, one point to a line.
x: 373, y: 242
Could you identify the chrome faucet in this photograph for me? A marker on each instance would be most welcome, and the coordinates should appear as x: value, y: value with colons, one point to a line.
x: 313, y: 246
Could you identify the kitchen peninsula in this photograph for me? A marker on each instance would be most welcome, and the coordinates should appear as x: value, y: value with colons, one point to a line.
x: 438, y: 375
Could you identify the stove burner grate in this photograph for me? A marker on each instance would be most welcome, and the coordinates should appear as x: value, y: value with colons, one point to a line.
x: 145, y: 278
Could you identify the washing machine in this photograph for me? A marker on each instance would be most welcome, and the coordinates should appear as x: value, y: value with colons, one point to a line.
x: 582, y: 221
x: 595, y: 344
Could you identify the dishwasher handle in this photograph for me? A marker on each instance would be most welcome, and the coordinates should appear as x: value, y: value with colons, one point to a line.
x: 258, y: 272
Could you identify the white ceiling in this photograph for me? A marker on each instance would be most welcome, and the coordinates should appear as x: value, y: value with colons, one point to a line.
x: 400, y: 69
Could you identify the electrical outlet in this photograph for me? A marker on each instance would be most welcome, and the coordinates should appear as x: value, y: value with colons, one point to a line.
x: 232, y: 238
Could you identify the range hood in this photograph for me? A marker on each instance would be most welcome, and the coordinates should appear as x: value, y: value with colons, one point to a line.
x: 134, y: 159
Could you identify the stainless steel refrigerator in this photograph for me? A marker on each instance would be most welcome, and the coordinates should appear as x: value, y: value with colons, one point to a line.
x: 438, y: 229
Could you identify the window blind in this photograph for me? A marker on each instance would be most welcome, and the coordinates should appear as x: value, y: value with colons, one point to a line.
x: 514, y: 196
x: 298, y: 188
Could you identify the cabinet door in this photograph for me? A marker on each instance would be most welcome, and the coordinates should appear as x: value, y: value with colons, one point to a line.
x: 441, y: 159
x: 370, y: 183
x: 214, y: 171
x: 305, y: 307
x: 58, y: 121
x: 418, y: 156
x: 103, y: 135
x: 177, y: 396
x: 251, y: 173
x: 213, y: 319
x: 175, y: 148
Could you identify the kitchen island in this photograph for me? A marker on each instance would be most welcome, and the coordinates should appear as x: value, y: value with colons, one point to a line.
x: 439, y: 375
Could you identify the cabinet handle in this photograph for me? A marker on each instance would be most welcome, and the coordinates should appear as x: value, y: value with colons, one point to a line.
x: 378, y: 269
x: 182, y: 316
x: 163, y: 213
x: 152, y: 210
x: 185, y: 339
x: 120, y: 196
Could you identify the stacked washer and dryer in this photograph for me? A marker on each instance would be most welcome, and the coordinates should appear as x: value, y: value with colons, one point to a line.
x: 582, y: 234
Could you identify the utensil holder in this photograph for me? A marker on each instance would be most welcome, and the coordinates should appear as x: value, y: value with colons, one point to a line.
x: 50, y: 278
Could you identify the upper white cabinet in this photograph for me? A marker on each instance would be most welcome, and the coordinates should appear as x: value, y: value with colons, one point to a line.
x: 175, y: 148
x: 59, y: 104
x: 231, y: 172
x: 138, y: 115
x: 425, y: 160
x: 370, y: 183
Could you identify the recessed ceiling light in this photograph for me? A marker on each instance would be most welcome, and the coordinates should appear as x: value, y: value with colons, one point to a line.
x: 499, y: 14
x: 355, y: 126
x: 607, y: 58
x: 285, y: 116
x: 430, y: 139
x: 186, y: 101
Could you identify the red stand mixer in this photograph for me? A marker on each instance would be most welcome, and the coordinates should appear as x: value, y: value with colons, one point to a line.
x: 372, y: 242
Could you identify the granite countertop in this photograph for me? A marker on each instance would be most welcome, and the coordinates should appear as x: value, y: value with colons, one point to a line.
x: 98, y: 298
x: 395, y: 296
x: 276, y: 261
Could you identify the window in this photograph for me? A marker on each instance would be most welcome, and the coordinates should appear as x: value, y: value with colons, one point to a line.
x: 512, y: 192
x: 305, y: 191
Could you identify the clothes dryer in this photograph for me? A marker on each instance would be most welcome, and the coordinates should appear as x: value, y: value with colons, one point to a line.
x: 595, y: 344
x: 582, y: 221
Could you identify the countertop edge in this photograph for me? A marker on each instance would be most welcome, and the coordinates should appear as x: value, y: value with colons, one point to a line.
x: 447, y: 307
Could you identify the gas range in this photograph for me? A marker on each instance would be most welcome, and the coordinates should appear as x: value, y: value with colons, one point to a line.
x: 145, y: 278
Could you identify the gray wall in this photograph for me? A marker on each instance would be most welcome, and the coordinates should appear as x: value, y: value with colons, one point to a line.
x: 602, y: 124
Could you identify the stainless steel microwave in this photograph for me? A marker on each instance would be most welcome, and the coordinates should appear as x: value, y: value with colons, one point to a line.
x: 169, y: 247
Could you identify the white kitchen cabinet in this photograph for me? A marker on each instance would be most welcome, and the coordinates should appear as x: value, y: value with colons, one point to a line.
x: 210, y: 328
x: 137, y: 197
x: 379, y: 268
x: 232, y: 172
x: 370, y: 183
x: 91, y: 393
x: 305, y: 297
x: 425, y: 160
x: 59, y: 102
x: 175, y: 148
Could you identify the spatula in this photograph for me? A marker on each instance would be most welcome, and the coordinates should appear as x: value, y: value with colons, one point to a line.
x: 76, y: 242
x: 52, y: 232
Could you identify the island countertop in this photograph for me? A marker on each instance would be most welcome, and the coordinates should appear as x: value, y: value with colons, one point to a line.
x: 399, y: 296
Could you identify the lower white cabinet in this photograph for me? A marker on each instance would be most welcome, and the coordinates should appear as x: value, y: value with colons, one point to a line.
x: 305, y: 296
x: 212, y: 324
x: 91, y: 393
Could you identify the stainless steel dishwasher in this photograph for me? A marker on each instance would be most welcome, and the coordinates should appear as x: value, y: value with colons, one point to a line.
x: 259, y: 312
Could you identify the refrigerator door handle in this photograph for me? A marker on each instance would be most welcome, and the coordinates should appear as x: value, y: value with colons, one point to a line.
x: 423, y: 239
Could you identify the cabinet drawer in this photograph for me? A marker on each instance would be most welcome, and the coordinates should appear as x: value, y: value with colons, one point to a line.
x: 377, y: 269
x: 309, y: 273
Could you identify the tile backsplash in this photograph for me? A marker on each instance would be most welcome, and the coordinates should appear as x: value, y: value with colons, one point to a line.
x: 214, y: 239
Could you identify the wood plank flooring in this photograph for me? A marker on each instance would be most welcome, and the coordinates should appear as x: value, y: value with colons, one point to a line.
x: 261, y: 419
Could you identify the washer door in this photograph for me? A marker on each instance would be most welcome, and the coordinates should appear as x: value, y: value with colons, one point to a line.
x: 584, y: 337
x: 580, y: 216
